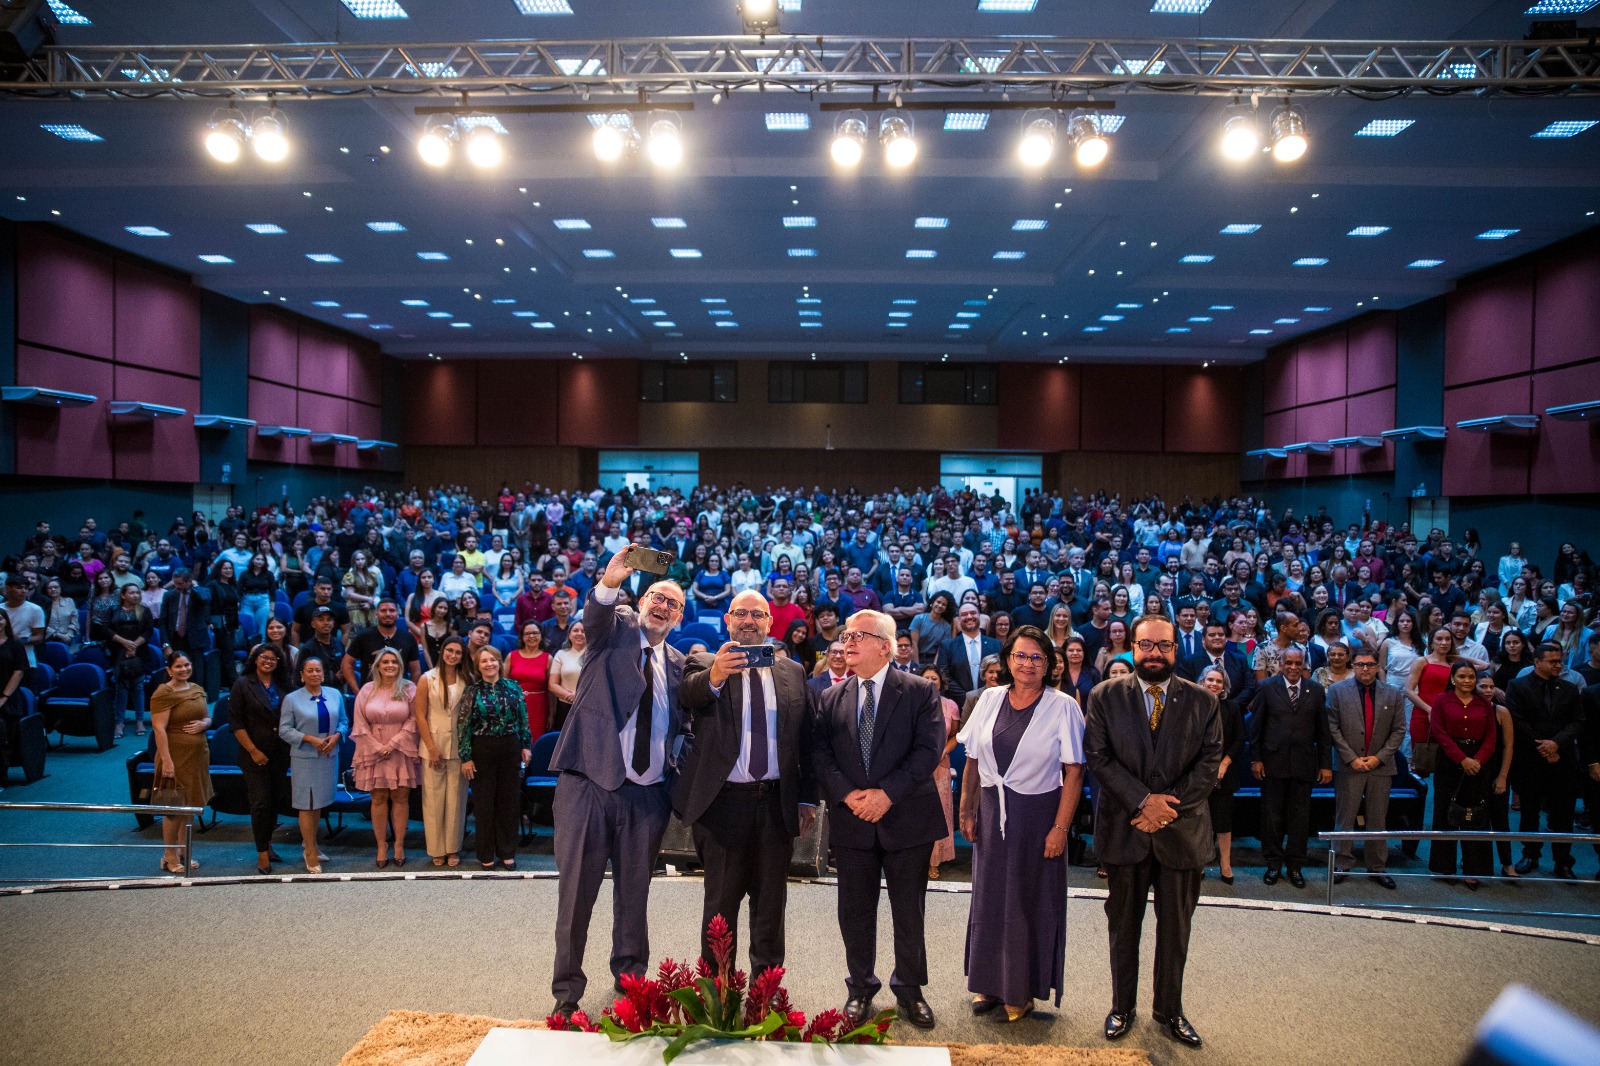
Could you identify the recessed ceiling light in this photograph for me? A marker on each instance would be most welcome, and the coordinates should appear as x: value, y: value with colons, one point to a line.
x: 354, y: 314
x: 798, y: 221
x: 599, y: 253
x: 927, y: 222
x: 216, y: 259
x: 642, y: 300
x: 725, y: 311
x: 1200, y: 318
x: 811, y: 325
x: 461, y: 325
x: 900, y: 314
x: 503, y: 301
x: 147, y: 231
x: 433, y: 257
x: 1310, y: 261
x: 1094, y: 329
x: 323, y: 257
x: 70, y: 132
x: 1006, y: 7
x: 524, y: 314
x: 895, y: 325
x: 905, y: 303
x: 1178, y: 329
x: 544, y: 325
x: 967, y: 314
x: 712, y: 300
x: 1260, y: 332
x: 965, y: 121
x: 1129, y: 306
x: 386, y: 227
x: 788, y: 121
x: 440, y: 314
x: 921, y: 253
x: 1421, y: 264
x: 1564, y: 128
x: 1386, y: 127
x: 807, y: 300
x: 1284, y: 321
x: 958, y: 325
x: 654, y: 314
x: 1497, y: 234
x: 685, y: 253
x: 324, y: 303
x: 658, y: 223
x: 571, y: 223
x: 1234, y: 229
x: 1009, y: 255
x: 376, y: 9
x: 802, y: 253
x: 802, y: 314
x: 379, y: 325
x: 974, y: 303
x: 1220, y: 307
x: 1112, y: 318
x: 1368, y: 231
x: 266, y: 229
x: 725, y: 324
x: 1027, y: 225
x: 1317, y: 310
x: 1560, y: 7
x: 544, y: 7
x: 1179, y: 7
x: 1197, y: 259
x: 67, y: 15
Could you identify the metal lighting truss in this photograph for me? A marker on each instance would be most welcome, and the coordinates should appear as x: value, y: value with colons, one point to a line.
x: 1052, y: 67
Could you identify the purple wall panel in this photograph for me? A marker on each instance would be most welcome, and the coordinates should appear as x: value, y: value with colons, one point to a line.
x: 1566, y: 309
x: 451, y: 391
x: 1566, y: 455
x: 1322, y: 421
x: 1371, y: 359
x: 158, y: 321
x: 64, y: 294
x: 324, y: 362
x: 366, y: 375
x: 1321, y: 374
x: 322, y: 414
x: 1278, y: 378
x: 1486, y: 464
x: 70, y: 442
x: 1368, y: 415
x: 1277, y: 429
x: 1202, y: 409
x: 1109, y: 425
x: 274, y: 348
x: 1489, y: 329
x: 272, y: 405
x: 162, y: 449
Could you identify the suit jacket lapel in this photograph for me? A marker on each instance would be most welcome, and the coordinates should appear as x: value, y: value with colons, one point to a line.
x: 887, y: 701
x: 1141, y: 721
x: 1173, y: 719
x: 847, y: 707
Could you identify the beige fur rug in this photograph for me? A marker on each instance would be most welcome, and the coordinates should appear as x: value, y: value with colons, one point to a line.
x: 417, y: 1038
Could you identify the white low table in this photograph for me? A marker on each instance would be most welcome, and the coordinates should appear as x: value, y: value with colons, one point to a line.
x: 535, y: 1047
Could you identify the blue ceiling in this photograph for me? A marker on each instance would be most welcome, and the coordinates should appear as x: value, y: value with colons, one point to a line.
x: 516, y: 284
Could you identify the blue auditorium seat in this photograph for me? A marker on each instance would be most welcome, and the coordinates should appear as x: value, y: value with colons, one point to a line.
x: 26, y: 745
x: 80, y: 705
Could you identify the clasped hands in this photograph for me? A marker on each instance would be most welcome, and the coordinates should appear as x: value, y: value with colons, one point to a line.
x: 868, y: 804
x: 325, y: 745
x: 1157, y: 813
x: 1364, y: 762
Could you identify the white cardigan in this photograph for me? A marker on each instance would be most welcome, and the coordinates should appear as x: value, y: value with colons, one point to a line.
x: 1054, y: 736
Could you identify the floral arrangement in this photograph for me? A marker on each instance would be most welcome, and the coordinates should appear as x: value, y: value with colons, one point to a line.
x: 685, y: 1004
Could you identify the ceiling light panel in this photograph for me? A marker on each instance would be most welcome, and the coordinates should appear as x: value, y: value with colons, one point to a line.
x: 1179, y: 7
x: 1009, y: 255
x: 658, y: 223
x: 544, y: 7
x: 323, y: 257
x: 799, y: 222
x: 921, y: 253
x: 599, y: 253
x: 1310, y: 261
x: 966, y: 121
x: 147, y: 231
x: 1007, y: 7
x: 1421, y: 264
x: 376, y: 9
x: 440, y: 314
x: 1497, y: 234
x: 1386, y: 127
x: 802, y: 253
x: 716, y: 300
x: 905, y: 303
x: 1565, y: 128
x: 1559, y: 7
x: 1196, y: 259
x: 787, y: 121
x: 1284, y: 321
x: 1178, y: 329
x: 1322, y: 310
x: 324, y: 303
x: 685, y: 253
x: 572, y: 223
x: 433, y: 257
x: 1029, y: 225
x: 1129, y: 306
x: 932, y: 223
x: 414, y: 303
x: 266, y: 229
x: 386, y: 227
x: 67, y: 15
x: 216, y: 260
x: 1234, y: 229
x: 1368, y: 231
x: 71, y: 131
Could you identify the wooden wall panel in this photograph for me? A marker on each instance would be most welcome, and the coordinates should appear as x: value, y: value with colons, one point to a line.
x: 441, y: 403
x: 65, y: 442
x: 1122, y: 408
x: 163, y: 449
x: 1489, y: 328
x: 65, y: 294
x: 1566, y: 309
x: 1174, y: 477
x: 484, y: 470
x: 1566, y: 455
x: 517, y: 403
x: 1486, y: 464
x: 1201, y: 409
x: 598, y: 405
x: 157, y: 320
x: 1038, y: 408
x: 868, y: 470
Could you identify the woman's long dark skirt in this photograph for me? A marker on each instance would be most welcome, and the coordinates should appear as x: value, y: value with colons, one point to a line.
x: 1017, y: 925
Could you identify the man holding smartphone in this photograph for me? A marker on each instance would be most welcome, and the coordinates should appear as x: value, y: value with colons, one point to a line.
x: 617, y: 758
x: 747, y: 788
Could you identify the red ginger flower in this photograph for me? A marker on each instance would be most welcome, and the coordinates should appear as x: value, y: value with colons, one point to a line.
x: 721, y: 940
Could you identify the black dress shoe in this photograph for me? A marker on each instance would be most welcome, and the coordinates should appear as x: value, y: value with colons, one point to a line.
x: 1296, y: 878
x: 1526, y: 866
x: 985, y: 1004
x: 1226, y: 879
x: 1179, y: 1029
x: 272, y: 853
x: 1384, y: 881
x: 917, y: 1012
x: 1566, y: 873
x: 566, y: 1008
x: 857, y: 1009
x: 1117, y: 1025
x: 1270, y: 877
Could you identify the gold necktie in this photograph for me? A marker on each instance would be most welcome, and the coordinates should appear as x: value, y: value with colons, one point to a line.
x: 1158, y: 703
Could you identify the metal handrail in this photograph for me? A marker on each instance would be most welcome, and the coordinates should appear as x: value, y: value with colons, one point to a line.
x: 185, y: 846
x: 1484, y: 836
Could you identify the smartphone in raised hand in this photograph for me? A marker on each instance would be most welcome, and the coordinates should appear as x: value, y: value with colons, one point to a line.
x: 637, y: 557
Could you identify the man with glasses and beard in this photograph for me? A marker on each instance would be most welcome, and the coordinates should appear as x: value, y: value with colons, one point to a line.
x: 1154, y: 741
x: 747, y: 787
x: 617, y: 759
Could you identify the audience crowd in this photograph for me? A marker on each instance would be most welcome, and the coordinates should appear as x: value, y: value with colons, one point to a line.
x: 444, y: 634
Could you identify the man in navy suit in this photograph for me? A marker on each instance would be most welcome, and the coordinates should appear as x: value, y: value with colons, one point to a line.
x: 618, y: 760
x: 879, y: 736
x: 1242, y: 682
x: 961, y: 656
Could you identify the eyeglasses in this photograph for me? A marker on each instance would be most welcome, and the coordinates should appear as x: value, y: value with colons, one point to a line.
x: 741, y: 614
x: 656, y: 599
x: 1027, y: 658
x: 1152, y: 645
x: 855, y: 636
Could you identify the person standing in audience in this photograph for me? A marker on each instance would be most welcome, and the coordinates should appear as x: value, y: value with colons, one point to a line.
x: 26, y: 617
x: 960, y: 658
x: 185, y: 620
x: 1336, y: 668
x: 565, y: 667
x: 257, y: 587
x: 1500, y: 797
x: 222, y: 591
x: 1214, y: 679
x: 60, y: 616
x: 360, y: 654
x: 879, y: 737
x: 124, y: 632
x: 944, y: 849
x: 1289, y: 751
x: 1366, y: 723
x: 1025, y: 750
x: 103, y: 596
x: 277, y: 637
x: 1154, y: 743
x: 1545, y: 770
x: 494, y: 745
x: 179, y: 718
x: 254, y: 705
x: 384, y: 728
x: 1464, y: 727
x: 440, y: 711
x: 529, y: 666
x: 1430, y: 677
x: 312, y: 723
x: 930, y: 629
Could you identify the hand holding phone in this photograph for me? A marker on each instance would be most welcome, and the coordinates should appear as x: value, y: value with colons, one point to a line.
x: 637, y: 557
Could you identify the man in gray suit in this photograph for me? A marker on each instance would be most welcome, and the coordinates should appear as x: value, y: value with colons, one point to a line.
x: 1367, y: 721
x: 617, y: 757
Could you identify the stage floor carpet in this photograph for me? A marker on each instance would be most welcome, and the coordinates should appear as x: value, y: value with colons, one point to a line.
x: 275, y: 974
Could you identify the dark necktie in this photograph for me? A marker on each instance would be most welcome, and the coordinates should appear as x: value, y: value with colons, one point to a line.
x: 647, y: 705
x: 869, y: 715
x: 324, y: 720
x: 183, y: 613
x: 1294, y: 695
x: 758, y: 726
x: 1366, y: 700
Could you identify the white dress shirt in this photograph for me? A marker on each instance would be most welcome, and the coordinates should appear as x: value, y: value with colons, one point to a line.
x: 877, y: 693
x: 661, y: 707
x: 741, y: 768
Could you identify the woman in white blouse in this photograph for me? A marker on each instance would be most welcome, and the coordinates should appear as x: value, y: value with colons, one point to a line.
x: 564, y: 670
x: 444, y: 789
x: 1024, y: 778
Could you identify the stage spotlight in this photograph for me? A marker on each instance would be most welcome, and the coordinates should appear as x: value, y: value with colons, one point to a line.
x: 899, y: 146
x: 485, y: 147
x: 1089, y: 145
x: 267, y: 136
x: 850, y: 140
x: 666, y: 140
x: 225, y: 135
x: 1240, y: 137
x: 759, y: 16
x: 615, y: 138
x: 1289, y: 140
x: 1038, y: 142
x: 434, y: 146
